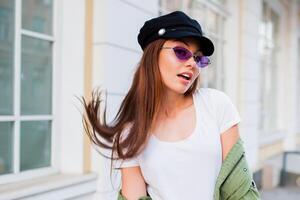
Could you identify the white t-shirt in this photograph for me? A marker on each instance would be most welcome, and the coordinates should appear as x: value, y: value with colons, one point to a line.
x: 187, y: 169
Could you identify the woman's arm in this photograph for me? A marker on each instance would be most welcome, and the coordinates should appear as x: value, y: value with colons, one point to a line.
x: 228, y: 139
x: 133, y: 183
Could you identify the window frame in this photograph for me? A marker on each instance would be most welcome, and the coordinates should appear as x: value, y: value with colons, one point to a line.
x: 277, y: 9
x: 16, y: 117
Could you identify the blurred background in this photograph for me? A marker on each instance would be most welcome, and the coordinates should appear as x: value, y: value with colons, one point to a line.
x: 53, y: 51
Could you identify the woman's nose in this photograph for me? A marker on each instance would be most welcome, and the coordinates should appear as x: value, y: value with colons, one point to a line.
x: 191, y: 62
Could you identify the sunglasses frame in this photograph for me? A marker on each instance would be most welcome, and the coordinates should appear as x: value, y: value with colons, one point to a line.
x: 191, y: 55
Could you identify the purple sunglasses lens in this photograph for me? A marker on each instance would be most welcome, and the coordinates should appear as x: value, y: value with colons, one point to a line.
x: 182, y: 53
x: 202, y: 61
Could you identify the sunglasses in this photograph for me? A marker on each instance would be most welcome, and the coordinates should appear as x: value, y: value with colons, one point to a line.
x: 184, y: 54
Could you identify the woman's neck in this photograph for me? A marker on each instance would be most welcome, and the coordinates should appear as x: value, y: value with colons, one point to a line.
x: 175, y: 103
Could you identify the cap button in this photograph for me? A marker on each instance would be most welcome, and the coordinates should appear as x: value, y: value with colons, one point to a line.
x: 161, y: 31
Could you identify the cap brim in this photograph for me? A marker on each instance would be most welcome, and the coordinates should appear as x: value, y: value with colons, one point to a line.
x: 206, y: 45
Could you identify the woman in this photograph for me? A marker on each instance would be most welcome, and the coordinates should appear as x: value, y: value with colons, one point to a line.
x: 170, y: 138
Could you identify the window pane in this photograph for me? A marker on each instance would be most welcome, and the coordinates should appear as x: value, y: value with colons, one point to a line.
x: 35, y: 143
x: 219, y: 1
x: 212, y: 21
x: 269, y: 49
x: 36, y: 77
x: 6, y: 56
x: 171, y: 5
x: 6, y: 147
x: 37, y: 15
x: 198, y: 12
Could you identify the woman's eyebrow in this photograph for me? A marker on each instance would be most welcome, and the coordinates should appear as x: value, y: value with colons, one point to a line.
x: 181, y: 40
x: 187, y: 44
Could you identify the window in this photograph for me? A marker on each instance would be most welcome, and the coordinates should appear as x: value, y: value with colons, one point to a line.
x: 26, y: 67
x: 211, y: 16
x: 268, y: 49
x: 6, y: 84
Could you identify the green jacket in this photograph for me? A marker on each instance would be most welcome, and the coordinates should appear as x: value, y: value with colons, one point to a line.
x: 234, y: 181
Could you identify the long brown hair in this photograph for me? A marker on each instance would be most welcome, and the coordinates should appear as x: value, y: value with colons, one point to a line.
x: 139, y: 109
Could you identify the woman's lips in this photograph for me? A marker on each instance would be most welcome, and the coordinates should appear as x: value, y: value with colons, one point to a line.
x: 183, y: 80
x: 187, y: 74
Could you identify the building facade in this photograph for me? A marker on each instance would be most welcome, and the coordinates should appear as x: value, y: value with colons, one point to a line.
x: 53, y: 52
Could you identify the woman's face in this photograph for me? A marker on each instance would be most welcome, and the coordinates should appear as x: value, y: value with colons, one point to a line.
x: 178, y: 75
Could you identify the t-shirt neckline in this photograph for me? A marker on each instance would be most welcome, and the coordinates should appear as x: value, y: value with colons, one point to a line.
x: 188, y: 137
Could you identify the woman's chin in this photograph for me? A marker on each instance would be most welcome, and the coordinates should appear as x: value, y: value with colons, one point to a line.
x: 179, y: 90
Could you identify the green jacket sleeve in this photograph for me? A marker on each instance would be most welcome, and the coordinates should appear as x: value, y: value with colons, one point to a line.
x: 252, y: 193
x: 235, y: 180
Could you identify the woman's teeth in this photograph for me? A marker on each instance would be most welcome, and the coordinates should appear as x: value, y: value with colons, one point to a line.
x: 185, y: 76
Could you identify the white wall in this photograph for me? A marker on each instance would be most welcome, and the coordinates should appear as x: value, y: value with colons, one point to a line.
x: 70, y: 82
x: 291, y: 68
x: 116, y: 54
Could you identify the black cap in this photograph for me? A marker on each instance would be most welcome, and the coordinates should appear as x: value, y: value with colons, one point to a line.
x: 174, y: 25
